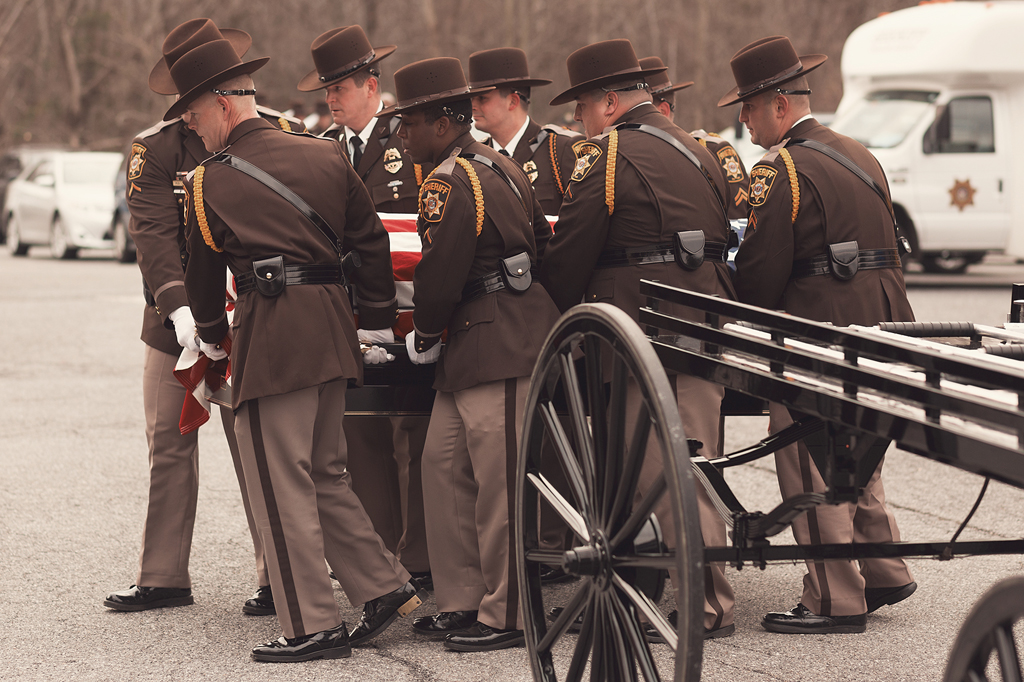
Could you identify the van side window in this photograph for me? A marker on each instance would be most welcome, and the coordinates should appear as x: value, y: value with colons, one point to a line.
x: 964, y: 127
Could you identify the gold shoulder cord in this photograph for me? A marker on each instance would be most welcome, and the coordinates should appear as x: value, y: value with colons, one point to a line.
x: 609, y: 173
x: 478, y: 195
x: 285, y: 125
x: 204, y: 227
x: 418, y: 170
x: 703, y: 142
x: 554, y: 162
x: 791, y: 170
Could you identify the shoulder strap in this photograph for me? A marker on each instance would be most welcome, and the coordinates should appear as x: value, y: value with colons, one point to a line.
x: 493, y: 166
x: 280, y: 188
x: 844, y: 161
x: 662, y: 135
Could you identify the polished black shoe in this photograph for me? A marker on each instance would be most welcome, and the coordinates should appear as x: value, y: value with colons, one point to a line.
x: 425, y: 580
x: 877, y: 597
x: 137, y: 598
x: 480, y: 637
x: 552, y: 575
x: 801, y: 621
x: 444, y: 623
x: 381, y: 612
x: 261, y: 603
x: 331, y: 643
x: 655, y: 637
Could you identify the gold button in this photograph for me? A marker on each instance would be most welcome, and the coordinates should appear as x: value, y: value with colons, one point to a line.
x: 519, y: 271
x: 269, y: 275
x: 467, y: 323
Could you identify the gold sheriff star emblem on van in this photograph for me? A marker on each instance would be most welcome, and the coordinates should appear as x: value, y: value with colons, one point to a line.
x: 962, y: 194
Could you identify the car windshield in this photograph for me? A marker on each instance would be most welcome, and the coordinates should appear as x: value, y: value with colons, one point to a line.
x: 883, y: 119
x: 91, y: 169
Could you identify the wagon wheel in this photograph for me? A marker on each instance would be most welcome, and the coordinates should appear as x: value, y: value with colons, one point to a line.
x: 578, y: 413
x: 989, y: 629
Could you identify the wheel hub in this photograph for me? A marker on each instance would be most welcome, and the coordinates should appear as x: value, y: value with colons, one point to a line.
x: 592, y: 560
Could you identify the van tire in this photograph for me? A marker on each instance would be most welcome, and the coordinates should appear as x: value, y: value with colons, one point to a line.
x: 945, y: 263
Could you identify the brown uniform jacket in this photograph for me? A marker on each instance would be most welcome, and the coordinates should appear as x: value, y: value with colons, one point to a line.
x: 391, y: 177
x: 157, y: 155
x: 499, y: 335
x: 306, y: 336
x: 657, y: 192
x: 732, y: 169
x: 547, y: 158
x: 834, y: 206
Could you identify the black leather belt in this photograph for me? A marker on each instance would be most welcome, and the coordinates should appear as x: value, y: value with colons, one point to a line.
x: 296, y: 274
x: 868, y: 259
x: 656, y: 253
x: 481, y: 286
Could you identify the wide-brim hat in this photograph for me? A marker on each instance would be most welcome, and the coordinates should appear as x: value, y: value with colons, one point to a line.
x: 340, y: 53
x: 503, y: 67
x: 767, y: 63
x: 593, y: 66
x: 660, y: 83
x: 192, y: 33
x: 199, y: 69
x: 429, y: 82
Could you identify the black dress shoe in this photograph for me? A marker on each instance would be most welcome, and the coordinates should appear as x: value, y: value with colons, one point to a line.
x: 877, y: 597
x: 381, y: 612
x: 655, y: 637
x: 331, y: 643
x: 261, y: 603
x: 137, y: 598
x: 801, y: 621
x: 551, y: 575
x: 480, y: 637
x: 425, y: 580
x: 444, y: 623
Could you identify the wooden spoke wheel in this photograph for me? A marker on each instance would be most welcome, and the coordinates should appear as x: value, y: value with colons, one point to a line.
x: 601, y: 405
x: 987, y: 642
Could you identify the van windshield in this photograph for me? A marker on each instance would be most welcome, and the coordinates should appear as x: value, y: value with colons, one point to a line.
x: 884, y: 118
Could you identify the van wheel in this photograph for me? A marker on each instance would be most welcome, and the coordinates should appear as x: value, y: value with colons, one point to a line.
x: 945, y: 263
x: 15, y: 246
x: 60, y: 241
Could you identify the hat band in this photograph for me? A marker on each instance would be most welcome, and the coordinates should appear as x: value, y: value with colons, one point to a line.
x: 350, y: 68
x: 435, y: 96
x: 769, y: 81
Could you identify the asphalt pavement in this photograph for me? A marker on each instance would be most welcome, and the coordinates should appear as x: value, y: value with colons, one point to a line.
x: 73, y: 486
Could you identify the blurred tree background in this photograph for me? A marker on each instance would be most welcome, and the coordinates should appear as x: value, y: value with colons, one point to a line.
x: 75, y: 71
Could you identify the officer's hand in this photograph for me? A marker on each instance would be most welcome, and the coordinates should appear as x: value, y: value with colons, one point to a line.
x: 375, y: 355
x: 212, y: 350
x: 185, y: 328
x: 425, y: 358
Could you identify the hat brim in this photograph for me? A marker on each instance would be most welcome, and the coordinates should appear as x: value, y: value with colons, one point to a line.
x: 402, y: 107
x: 160, y: 80
x: 510, y: 83
x: 810, y: 63
x: 179, y: 107
x: 665, y: 91
x: 311, y: 81
x: 570, y: 94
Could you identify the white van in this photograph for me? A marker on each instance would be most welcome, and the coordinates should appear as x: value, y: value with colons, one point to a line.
x: 937, y: 93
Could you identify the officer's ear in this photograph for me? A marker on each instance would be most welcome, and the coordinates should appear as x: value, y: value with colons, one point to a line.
x: 442, y: 125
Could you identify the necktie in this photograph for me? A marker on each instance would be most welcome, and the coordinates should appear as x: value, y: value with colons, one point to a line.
x: 504, y: 152
x: 357, y: 151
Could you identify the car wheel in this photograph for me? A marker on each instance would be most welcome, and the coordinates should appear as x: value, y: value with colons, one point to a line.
x: 124, y: 247
x: 945, y: 263
x: 15, y: 247
x: 60, y: 241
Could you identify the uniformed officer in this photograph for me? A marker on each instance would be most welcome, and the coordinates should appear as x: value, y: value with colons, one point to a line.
x: 545, y: 153
x: 482, y: 231
x: 283, y: 231
x: 160, y: 157
x: 384, y: 453
x: 820, y: 243
x: 616, y: 228
x: 663, y: 92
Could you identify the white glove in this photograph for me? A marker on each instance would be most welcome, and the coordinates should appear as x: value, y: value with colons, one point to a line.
x: 375, y: 355
x: 425, y: 358
x: 185, y: 328
x: 212, y: 350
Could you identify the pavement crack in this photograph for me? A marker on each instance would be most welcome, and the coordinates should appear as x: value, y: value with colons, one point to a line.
x: 418, y: 671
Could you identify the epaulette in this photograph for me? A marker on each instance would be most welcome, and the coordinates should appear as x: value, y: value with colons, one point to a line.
x: 560, y: 130
x: 153, y: 130
x: 284, y: 122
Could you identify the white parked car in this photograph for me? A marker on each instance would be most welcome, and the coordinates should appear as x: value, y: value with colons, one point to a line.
x: 64, y: 200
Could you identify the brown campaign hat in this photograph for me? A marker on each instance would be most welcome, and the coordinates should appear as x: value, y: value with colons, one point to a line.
x: 660, y: 83
x: 593, y: 66
x: 767, y: 63
x: 202, y: 67
x: 431, y: 81
x: 192, y: 33
x: 340, y: 53
x: 501, y: 67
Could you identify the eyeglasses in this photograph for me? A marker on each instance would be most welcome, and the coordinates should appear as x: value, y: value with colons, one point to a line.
x: 240, y: 93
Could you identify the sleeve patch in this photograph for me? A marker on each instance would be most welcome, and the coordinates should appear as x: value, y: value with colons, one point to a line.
x: 730, y: 161
x: 761, y: 179
x: 138, y: 160
x: 586, y: 154
x: 433, y: 199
